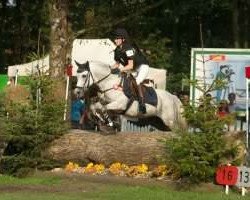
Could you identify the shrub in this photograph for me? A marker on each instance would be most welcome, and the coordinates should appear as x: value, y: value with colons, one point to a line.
x: 194, y: 154
x: 31, y: 124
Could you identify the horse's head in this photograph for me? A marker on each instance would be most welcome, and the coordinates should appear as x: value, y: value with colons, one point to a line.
x: 93, y: 73
x: 84, y: 77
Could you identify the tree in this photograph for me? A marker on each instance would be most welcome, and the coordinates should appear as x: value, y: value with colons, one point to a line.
x: 60, y: 42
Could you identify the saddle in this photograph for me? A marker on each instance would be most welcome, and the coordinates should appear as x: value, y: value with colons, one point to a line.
x: 130, y: 89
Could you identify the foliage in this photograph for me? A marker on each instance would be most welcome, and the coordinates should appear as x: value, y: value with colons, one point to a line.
x: 195, y: 153
x: 31, y: 125
x: 2, y: 112
x: 194, y: 157
x: 21, y: 26
x: 174, y: 21
x: 155, y: 49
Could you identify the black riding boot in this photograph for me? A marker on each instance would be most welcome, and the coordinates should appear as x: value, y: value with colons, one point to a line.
x: 142, y: 107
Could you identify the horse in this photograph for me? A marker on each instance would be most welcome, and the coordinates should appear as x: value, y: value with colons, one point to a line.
x: 169, y: 107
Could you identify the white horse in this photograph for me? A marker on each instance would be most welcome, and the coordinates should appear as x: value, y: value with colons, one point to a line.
x: 169, y: 107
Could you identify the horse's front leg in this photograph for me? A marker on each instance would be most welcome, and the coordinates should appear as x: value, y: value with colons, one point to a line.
x: 99, y: 110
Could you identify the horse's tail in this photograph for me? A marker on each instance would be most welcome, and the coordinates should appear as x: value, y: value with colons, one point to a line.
x: 180, y: 119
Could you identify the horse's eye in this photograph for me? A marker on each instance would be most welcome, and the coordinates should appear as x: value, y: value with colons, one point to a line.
x: 84, y: 75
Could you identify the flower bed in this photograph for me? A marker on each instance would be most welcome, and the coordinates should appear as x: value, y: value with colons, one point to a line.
x: 119, y: 169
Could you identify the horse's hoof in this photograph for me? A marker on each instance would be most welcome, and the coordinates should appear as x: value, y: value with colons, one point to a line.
x: 107, y: 130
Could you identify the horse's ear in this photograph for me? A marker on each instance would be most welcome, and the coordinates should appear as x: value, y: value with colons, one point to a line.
x: 82, y: 67
x: 77, y: 63
x: 87, y: 66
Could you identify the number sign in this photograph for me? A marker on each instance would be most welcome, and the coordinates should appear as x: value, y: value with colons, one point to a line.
x: 243, y: 177
x: 227, y: 175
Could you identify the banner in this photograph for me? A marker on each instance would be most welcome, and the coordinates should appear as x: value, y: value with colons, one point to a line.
x: 225, y: 64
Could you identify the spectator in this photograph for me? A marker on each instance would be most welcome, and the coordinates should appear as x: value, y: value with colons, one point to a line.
x: 224, y: 114
x: 232, y: 110
x: 223, y: 109
x: 77, y: 111
x: 184, y: 97
x: 231, y: 105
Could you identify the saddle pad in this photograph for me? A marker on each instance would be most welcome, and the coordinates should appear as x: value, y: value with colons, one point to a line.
x: 150, y: 96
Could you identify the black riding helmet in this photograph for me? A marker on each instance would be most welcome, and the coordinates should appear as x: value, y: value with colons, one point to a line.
x: 121, y: 33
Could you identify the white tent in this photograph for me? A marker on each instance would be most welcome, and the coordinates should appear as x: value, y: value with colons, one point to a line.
x: 103, y: 50
x: 27, y: 69
x: 85, y: 50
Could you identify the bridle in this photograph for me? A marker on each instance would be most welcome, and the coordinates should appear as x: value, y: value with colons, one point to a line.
x: 90, y: 77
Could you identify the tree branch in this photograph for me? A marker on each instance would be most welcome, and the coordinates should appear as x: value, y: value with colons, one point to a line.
x: 110, y: 25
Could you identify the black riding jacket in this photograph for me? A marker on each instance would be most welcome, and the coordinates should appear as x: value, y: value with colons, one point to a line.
x: 127, y: 52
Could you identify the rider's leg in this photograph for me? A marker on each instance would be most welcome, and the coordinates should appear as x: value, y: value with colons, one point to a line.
x: 142, y: 107
x: 142, y: 74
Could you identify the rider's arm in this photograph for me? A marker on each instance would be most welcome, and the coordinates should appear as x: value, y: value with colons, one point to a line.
x: 116, y: 65
x: 128, y: 67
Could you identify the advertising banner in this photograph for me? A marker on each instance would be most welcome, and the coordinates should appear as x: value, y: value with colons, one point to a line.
x: 208, y: 65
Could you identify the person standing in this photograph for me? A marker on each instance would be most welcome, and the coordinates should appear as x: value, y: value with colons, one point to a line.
x: 232, y: 105
x: 77, y: 112
x: 132, y: 59
x: 232, y: 110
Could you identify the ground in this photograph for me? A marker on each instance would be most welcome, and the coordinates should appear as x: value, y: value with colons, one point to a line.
x: 82, y: 182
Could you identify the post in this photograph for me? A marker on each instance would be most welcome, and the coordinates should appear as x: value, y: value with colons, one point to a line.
x: 227, y: 190
x: 247, y: 111
x: 243, y: 191
x: 247, y: 75
x: 68, y: 71
x: 66, y: 99
x: 16, y: 76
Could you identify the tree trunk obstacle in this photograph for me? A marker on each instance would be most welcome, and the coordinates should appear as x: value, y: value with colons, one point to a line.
x: 130, y: 148
x: 127, y: 148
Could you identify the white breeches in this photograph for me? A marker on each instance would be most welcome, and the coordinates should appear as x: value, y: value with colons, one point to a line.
x: 142, y: 73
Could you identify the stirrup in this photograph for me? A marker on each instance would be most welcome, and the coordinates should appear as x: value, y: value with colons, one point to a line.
x: 142, y: 109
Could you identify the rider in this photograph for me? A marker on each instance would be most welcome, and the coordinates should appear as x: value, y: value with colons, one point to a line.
x: 130, y: 56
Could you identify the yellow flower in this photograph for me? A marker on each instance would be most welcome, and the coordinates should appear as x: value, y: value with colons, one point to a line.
x: 124, y: 167
x: 143, y: 168
x: 99, y: 168
x: 160, y: 170
x: 90, y: 165
x: 116, y: 168
x: 70, y: 167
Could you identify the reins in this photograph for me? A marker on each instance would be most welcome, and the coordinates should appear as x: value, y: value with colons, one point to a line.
x: 97, y: 82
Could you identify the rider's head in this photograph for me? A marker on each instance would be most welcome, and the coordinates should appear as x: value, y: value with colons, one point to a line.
x: 120, y: 35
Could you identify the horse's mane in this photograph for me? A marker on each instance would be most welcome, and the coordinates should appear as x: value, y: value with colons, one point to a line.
x: 92, y: 91
x: 103, y: 69
x: 99, y: 63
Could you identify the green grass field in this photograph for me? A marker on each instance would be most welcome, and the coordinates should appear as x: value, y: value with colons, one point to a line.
x: 47, y: 186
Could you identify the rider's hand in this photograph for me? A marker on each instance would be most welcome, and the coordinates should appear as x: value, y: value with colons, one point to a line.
x: 117, y: 87
x: 115, y: 71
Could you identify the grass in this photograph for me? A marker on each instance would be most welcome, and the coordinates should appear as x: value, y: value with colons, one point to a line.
x: 40, y: 180
x: 71, y: 187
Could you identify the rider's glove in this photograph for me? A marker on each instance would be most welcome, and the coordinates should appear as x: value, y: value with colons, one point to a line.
x: 117, y: 87
x: 115, y: 71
